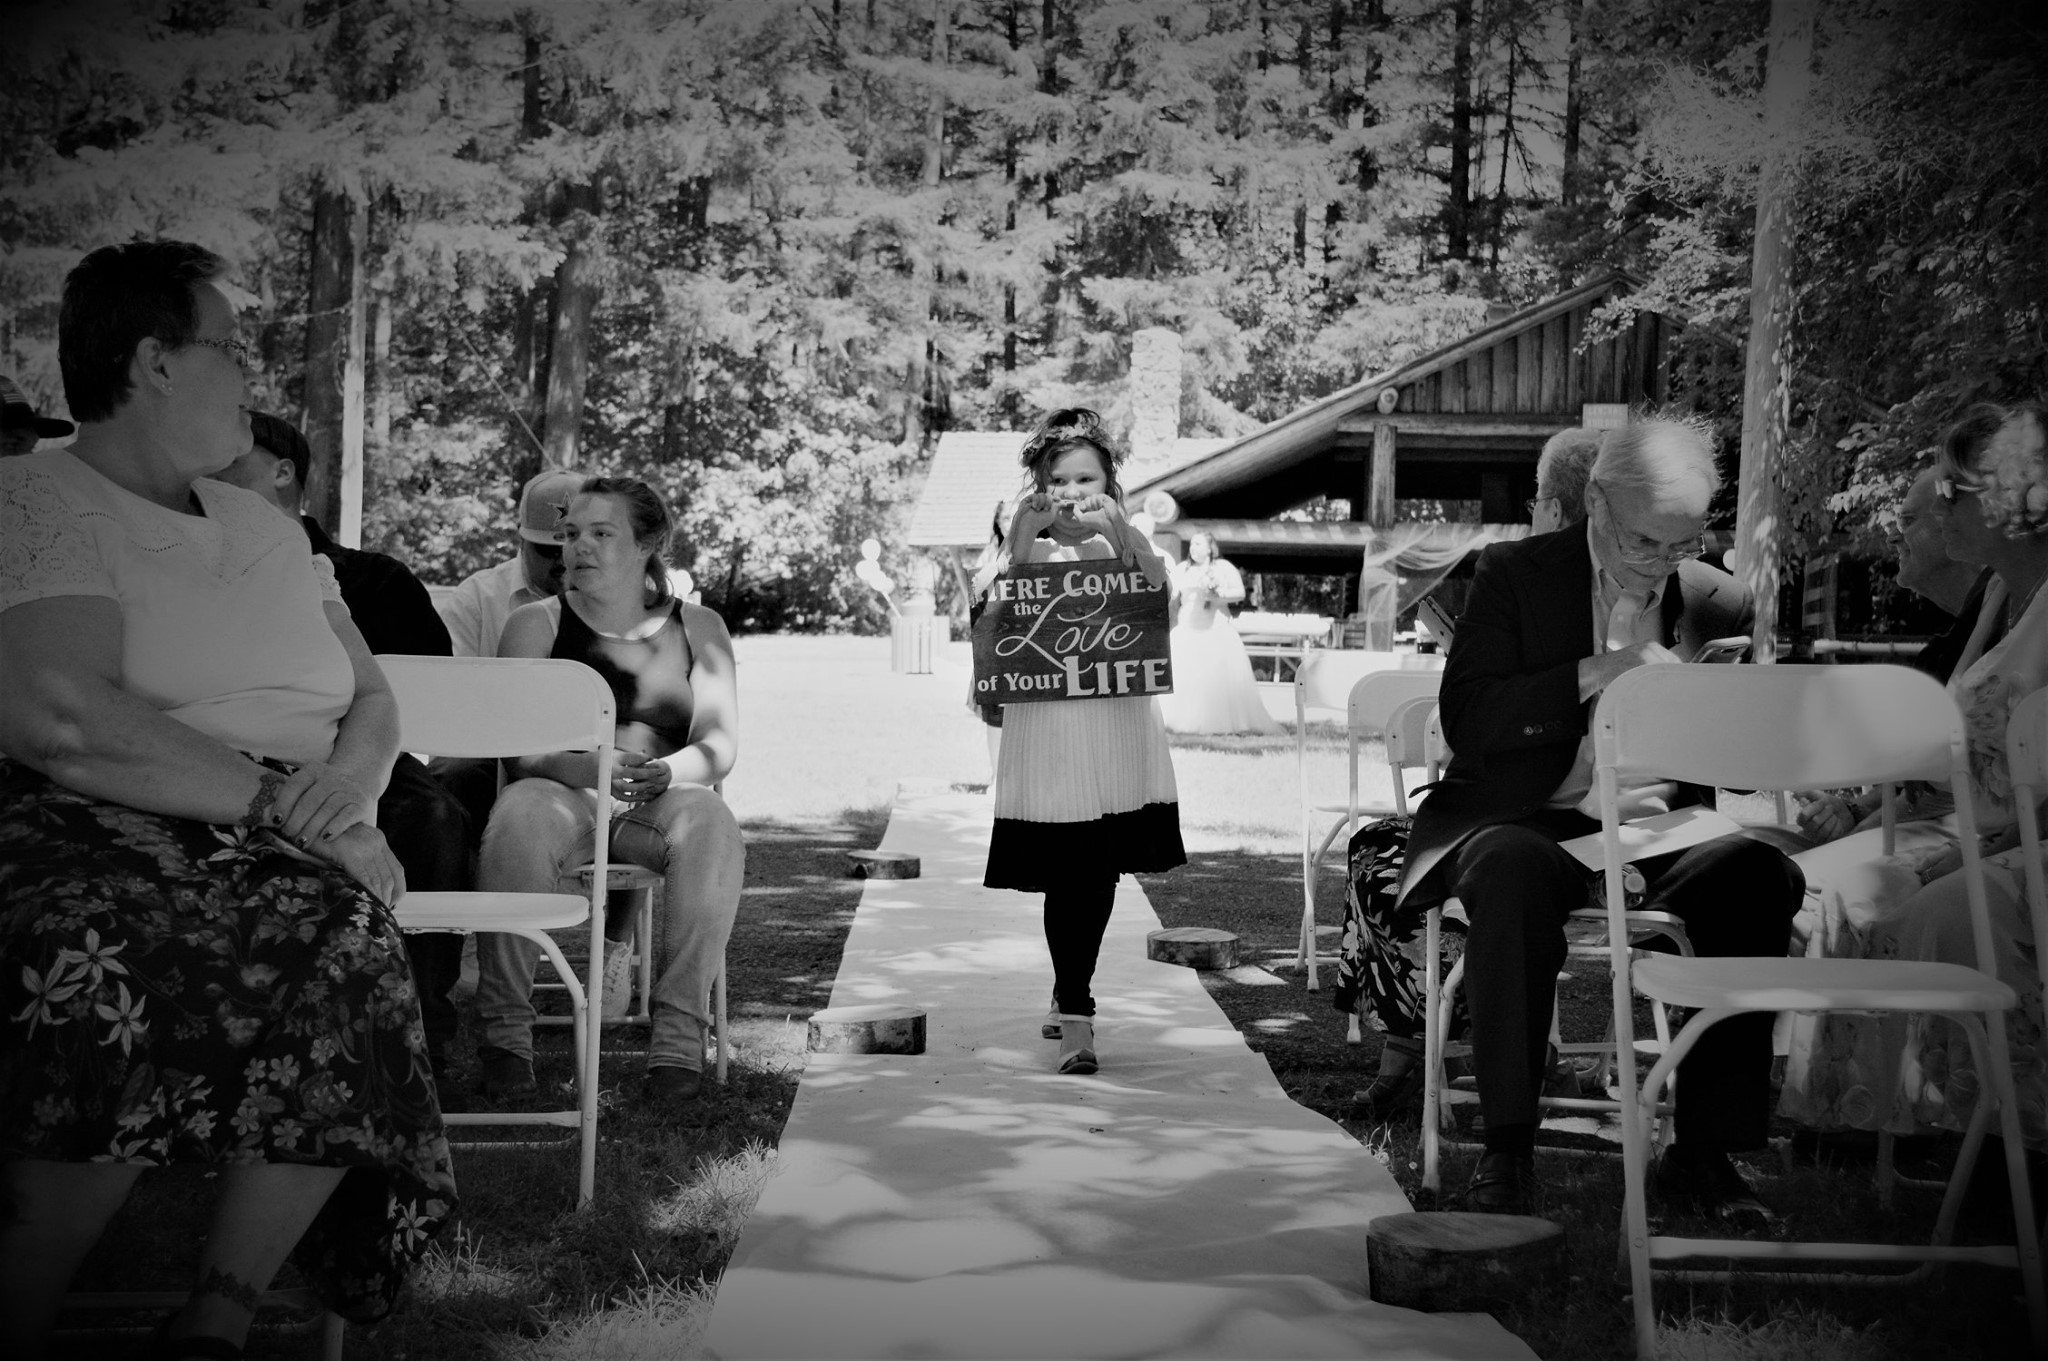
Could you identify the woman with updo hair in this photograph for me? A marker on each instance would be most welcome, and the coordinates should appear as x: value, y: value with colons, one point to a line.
x: 670, y: 667
x: 1846, y: 1071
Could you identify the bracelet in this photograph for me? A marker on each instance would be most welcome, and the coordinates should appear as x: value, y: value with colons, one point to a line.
x: 259, y: 813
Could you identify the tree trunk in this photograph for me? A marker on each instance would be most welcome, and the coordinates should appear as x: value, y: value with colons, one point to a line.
x: 536, y: 304
x: 348, y: 530
x: 921, y: 401
x: 1458, y: 209
x: 1766, y: 386
x: 1574, y: 96
x: 576, y: 290
x: 1008, y: 402
x: 380, y: 382
x: 327, y: 306
x: 1497, y: 214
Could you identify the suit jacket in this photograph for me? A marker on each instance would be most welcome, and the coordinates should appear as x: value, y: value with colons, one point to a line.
x: 392, y: 610
x: 1510, y: 698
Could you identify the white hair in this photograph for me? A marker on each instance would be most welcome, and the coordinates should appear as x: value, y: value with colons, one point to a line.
x: 1658, y: 454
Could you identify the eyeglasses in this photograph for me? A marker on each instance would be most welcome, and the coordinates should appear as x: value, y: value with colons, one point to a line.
x: 237, y: 350
x: 1642, y: 551
x: 1638, y: 551
x: 1950, y: 489
x: 1535, y: 501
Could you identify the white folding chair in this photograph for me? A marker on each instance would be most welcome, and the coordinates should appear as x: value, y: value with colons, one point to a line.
x: 1361, y: 685
x: 496, y: 707
x: 2026, y: 758
x: 1802, y: 727
x: 1440, y: 999
x: 643, y: 884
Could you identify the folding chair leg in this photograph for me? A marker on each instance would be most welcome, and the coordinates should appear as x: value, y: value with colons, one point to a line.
x: 1992, y: 1055
x: 718, y: 1019
x: 643, y: 927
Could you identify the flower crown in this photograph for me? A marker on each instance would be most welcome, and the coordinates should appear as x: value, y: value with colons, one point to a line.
x: 1069, y: 425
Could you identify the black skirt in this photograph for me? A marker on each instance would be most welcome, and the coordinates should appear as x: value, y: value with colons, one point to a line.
x: 1036, y: 857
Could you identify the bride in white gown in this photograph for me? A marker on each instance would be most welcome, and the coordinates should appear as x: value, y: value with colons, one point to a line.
x: 1213, y: 690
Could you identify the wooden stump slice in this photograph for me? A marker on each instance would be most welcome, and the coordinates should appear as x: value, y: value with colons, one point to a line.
x: 882, y: 1028
x: 884, y: 865
x: 1196, y: 947
x: 1455, y: 1261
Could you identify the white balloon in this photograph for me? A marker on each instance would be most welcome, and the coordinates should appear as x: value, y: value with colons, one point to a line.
x: 870, y: 549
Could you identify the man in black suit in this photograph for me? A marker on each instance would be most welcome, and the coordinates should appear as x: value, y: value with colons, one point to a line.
x: 1550, y: 621
x: 429, y: 832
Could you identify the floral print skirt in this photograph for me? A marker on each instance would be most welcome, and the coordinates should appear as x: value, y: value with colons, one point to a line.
x: 1379, y: 954
x: 180, y: 992
x: 1907, y: 1073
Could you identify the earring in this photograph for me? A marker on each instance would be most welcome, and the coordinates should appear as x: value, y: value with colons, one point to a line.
x: 164, y: 386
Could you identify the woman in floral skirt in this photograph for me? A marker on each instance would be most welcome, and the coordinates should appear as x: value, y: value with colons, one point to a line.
x: 202, y: 965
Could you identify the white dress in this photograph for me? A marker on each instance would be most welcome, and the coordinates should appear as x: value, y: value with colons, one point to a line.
x: 1084, y: 788
x: 1213, y: 689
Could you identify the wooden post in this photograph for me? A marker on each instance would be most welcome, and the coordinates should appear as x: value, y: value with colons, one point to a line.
x: 1766, y: 386
x: 1379, y: 498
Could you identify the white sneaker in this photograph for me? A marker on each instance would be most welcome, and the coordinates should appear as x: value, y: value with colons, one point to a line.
x: 1077, y: 1045
x: 618, y: 979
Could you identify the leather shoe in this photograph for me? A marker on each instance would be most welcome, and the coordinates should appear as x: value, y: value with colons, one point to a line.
x: 672, y: 1082
x: 505, y: 1075
x: 1709, y: 1185
x: 1503, y: 1184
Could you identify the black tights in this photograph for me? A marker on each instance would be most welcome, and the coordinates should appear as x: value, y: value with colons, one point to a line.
x: 1076, y: 915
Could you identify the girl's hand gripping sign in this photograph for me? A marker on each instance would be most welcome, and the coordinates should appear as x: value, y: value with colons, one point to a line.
x: 1072, y: 630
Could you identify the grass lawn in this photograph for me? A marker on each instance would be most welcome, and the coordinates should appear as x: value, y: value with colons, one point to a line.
x: 828, y: 732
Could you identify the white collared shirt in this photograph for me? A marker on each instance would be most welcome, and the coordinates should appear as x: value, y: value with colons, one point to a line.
x: 1622, y: 618
x: 475, y: 612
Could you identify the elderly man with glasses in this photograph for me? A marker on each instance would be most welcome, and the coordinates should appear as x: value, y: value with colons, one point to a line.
x: 1550, y: 621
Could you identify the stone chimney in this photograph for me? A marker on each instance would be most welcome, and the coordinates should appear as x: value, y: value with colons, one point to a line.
x: 1154, y: 394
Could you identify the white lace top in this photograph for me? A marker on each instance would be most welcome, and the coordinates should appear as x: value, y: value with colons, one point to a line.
x: 221, y: 619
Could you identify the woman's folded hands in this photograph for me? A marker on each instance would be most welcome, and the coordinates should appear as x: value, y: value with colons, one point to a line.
x: 317, y: 802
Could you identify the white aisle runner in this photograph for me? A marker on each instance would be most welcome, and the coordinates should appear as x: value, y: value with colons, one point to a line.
x: 970, y: 1202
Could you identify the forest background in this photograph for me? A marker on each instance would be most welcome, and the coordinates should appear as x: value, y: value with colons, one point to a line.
x: 762, y: 252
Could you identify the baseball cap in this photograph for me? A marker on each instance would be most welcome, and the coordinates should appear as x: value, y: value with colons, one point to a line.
x: 544, y: 501
x: 282, y: 439
x: 17, y: 413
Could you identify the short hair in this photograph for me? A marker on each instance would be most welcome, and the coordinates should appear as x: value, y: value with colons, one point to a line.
x: 1657, y: 454
x: 653, y: 528
x: 1066, y: 429
x: 1565, y: 464
x: 280, y: 437
x: 116, y: 298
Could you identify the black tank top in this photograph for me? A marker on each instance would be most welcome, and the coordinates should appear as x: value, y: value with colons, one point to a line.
x: 649, y: 677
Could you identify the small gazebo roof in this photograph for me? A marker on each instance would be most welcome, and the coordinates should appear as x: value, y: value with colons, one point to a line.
x: 973, y: 470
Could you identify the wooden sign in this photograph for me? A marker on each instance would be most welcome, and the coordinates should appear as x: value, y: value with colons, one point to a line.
x: 1072, y: 630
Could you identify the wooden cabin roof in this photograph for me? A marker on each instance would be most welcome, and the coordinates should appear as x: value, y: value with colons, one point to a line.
x: 1488, y: 399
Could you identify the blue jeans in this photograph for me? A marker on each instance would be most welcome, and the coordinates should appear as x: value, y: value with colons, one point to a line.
x: 540, y: 832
